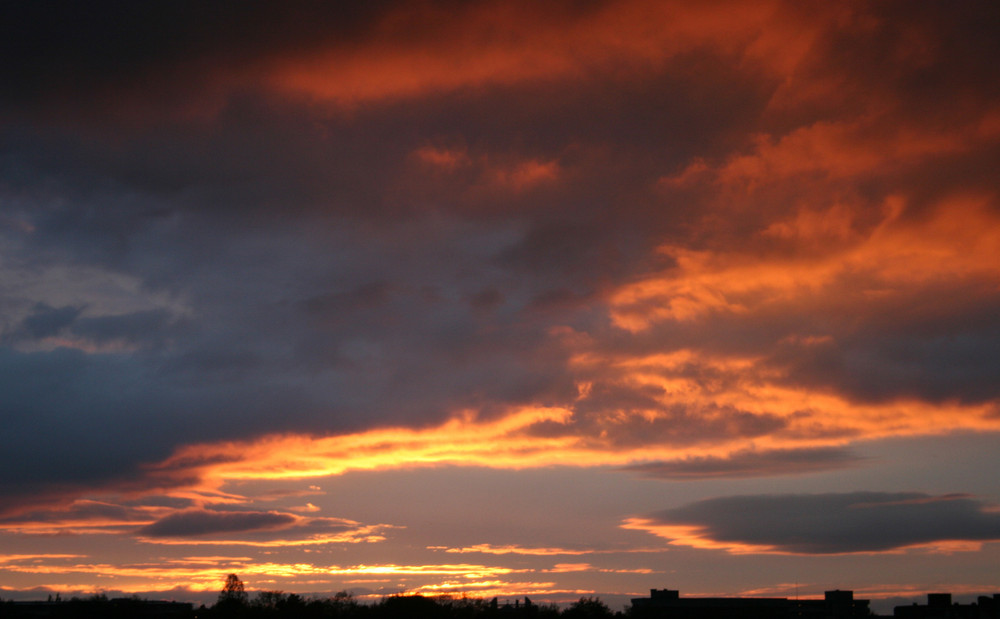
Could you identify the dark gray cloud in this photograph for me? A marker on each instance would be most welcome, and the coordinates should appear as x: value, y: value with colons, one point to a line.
x: 80, y: 513
x: 933, y: 342
x: 270, y: 528
x: 839, y: 523
x: 46, y: 321
x: 751, y: 463
x: 147, y: 326
x: 203, y: 522
x: 260, y: 263
x: 937, y: 352
x: 141, y: 328
x: 281, y: 333
x: 75, y: 420
x: 116, y: 48
x: 626, y: 414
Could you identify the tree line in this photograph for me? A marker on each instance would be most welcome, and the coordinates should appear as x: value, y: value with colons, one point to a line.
x: 278, y: 605
x: 234, y: 602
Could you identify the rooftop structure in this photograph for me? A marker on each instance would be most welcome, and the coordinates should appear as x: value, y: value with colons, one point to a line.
x: 668, y: 604
x: 940, y: 606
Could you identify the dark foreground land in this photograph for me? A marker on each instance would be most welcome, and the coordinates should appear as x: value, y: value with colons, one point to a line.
x: 661, y: 604
x: 276, y: 605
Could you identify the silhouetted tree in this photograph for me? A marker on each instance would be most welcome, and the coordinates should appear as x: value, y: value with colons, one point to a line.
x: 411, y: 607
x: 342, y: 604
x: 588, y: 608
x: 268, y: 600
x: 292, y: 605
x: 233, y: 598
x: 233, y: 591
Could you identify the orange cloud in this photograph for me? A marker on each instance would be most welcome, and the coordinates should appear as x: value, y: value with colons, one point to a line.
x: 507, y: 442
x: 847, y: 148
x: 700, y: 537
x: 560, y: 568
x: 419, y: 50
x: 203, y: 573
x: 524, y: 175
x: 635, y: 406
x: 519, y: 550
x: 516, y: 441
x: 505, y: 550
x: 489, y: 173
x: 359, y: 535
x: 36, y: 557
x: 827, y: 524
x: 693, y: 536
x: 192, y: 574
x: 486, y: 589
x: 957, y: 241
x: 442, y: 158
x: 83, y: 517
x: 860, y: 266
x: 462, y: 569
x: 493, y: 588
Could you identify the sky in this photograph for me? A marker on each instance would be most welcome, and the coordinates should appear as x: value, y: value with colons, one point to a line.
x: 547, y: 299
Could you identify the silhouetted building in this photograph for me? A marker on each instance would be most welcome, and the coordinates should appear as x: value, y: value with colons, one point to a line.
x: 989, y: 606
x: 668, y: 604
x: 940, y: 606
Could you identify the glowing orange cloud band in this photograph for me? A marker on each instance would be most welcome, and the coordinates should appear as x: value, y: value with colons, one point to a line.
x: 698, y: 537
x: 510, y: 442
x: 461, y: 48
x: 895, y: 257
x: 960, y: 241
x: 538, y: 552
x: 202, y: 573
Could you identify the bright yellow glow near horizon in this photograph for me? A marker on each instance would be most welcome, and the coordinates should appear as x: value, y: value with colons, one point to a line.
x: 545, y: 437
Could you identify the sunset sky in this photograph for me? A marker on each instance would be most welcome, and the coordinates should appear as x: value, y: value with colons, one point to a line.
x: 500, y: 298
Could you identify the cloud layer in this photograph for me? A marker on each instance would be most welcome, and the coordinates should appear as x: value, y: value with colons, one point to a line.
x: 829, y: 523
x: 317, y: 254
x: 201, y: 522
x: 750, y: 464
x: 681, y: 241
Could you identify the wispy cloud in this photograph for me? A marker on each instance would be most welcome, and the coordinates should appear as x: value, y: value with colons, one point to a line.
x: 748, y: 463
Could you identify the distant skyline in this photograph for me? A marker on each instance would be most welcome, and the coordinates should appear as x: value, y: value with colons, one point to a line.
x: 562, y: 299
x: 234, y: 601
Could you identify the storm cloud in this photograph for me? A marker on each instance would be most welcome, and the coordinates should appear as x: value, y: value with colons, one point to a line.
x: 835, y: 523
x: 204, y: 522
x: 670, y: 240
x: 228, y: 256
